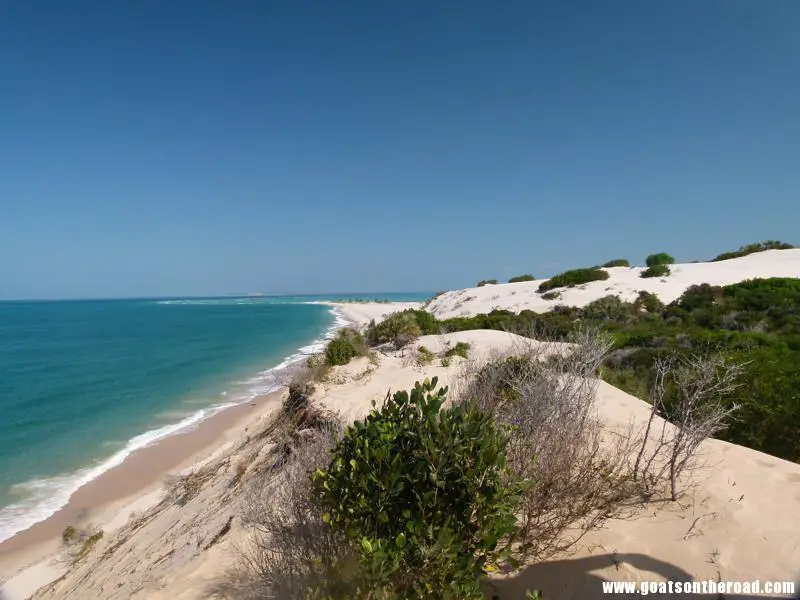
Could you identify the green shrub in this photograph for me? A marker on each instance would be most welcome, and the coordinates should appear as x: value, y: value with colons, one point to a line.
x: 460, y: 349
x: 752, y: 248
x: 617, y: 262
x: 424, y: 356
x: 521, y: 278
x: 347, y: 344
x: 447, y: 361
x: 649, y: 302
x: 425, y: 495
x: 608, y: 308
x: 400, y: 328
x: 656, y: 271
x: 69, y: 534
x: 662, y: 258
x: 573, y: 278
x: 487, y: 282
x: 551, y: 295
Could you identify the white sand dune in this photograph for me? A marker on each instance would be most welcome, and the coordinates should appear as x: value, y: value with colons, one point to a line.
x: 623, y: 282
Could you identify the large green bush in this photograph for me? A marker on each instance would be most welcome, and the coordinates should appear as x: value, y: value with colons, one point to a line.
x: 521, y: 278
x: 425, y: 495
x: 487, y: 282
x: 752, y: 248
x: 662, y: 258
x: 573, y: 278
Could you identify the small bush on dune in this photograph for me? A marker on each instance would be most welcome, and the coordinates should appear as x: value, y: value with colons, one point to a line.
x: 424, y: 496
x: 521, y: 278
x: 551, y: 295
x: 617, y: 262
x: 347, y: 344
x: 573, y: 278
x: 79, y: 542
x: 460, y: 349
x: 752, y: 248
x: 656, y: 271
x: 400, y: 328
x: 424, y: 356
x: 662, y: 258
x: 487, y: 282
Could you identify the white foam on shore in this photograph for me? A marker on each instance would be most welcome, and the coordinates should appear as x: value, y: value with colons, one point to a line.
x: 45, y: 497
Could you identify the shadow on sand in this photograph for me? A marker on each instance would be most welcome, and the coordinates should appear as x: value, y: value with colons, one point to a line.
x: 575, y: 579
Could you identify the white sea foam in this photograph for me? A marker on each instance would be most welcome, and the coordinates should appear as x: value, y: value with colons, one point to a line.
x: 45, y: 497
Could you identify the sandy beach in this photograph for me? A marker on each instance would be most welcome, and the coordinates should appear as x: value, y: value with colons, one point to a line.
x: 739, y: 513
x: 135, y: 485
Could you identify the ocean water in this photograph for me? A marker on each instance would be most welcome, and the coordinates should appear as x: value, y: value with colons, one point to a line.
x: 83, y: 384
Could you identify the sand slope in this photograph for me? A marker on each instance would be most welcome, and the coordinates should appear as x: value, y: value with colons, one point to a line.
x: 623, y: 282
x: 739, y: 522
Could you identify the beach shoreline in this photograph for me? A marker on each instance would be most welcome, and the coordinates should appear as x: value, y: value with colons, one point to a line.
x: 31, y: 558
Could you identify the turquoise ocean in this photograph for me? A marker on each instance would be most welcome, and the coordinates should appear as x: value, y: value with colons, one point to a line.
x: 83, y: 384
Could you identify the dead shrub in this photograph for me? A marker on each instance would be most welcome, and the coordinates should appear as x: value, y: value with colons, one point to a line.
x: 291, y: 549
x: 581, y: 476
x: 688, y: 407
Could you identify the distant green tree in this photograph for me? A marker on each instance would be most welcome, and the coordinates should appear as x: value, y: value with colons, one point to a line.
x: 662, y: 258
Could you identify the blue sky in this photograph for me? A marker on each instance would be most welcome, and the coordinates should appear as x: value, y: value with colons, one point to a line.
x: 192, y: 148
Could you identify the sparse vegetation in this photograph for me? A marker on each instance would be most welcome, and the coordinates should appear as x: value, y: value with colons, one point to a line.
x: 460, y: 349
x: 78, y: 542
x: 546, y: 395
x: 573, y: 278
x: 552, y: 295
x: 617, y: 262
x: 753, y: 248
x: 487, y: 282
x: 656, y: 271
x: 521, y: 278
x: 424, y: 356
x: 688, y: 392
x: 662, y: 258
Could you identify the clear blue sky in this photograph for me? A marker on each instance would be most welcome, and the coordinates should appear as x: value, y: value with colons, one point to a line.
x: 191, y: 148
